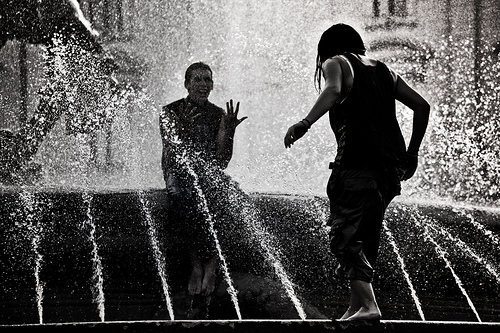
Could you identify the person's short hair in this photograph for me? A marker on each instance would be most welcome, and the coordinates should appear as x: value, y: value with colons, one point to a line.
x: 193, y: 67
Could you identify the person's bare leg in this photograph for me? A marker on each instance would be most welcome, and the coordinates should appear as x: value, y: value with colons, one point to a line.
x: 209, y: 276
x: 369, y: 309
x: 195, y: 280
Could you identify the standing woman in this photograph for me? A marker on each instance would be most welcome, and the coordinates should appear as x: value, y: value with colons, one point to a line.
x: 360, y: 96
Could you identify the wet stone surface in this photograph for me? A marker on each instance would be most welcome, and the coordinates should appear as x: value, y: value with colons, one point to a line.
x: 48, y: 270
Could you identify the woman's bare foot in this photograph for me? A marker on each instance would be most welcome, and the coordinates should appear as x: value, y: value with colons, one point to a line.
x: 195, y: 281
x: 366, y: 314
x: 350, y: 311
x: 364, y: 296
x: 208, y: 284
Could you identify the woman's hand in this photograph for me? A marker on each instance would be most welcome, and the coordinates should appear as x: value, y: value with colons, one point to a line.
x: 294, y: 133
x: 411, y: 166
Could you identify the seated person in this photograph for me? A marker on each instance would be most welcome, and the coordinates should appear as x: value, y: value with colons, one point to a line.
x: 195, y: 128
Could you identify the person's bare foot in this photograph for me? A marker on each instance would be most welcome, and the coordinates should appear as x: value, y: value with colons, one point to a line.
x: 371, y: 314
x: 195, y: 281
x: 350, y: 311
x: 208, y: 284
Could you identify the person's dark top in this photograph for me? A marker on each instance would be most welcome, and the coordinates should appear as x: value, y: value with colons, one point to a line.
x: 365, y: 124
x: 200, y: 137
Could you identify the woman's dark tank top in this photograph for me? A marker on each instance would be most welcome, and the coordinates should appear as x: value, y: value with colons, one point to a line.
x: 365, y: 124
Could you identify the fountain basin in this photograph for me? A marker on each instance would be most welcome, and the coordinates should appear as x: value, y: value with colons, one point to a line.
x: 132, y: 290
x: 264, y: 326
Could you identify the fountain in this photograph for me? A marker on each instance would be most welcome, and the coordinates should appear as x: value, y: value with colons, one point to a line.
x: 88, y: 246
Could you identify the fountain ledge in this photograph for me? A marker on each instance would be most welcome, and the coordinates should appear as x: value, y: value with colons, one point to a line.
x: 261, y: 326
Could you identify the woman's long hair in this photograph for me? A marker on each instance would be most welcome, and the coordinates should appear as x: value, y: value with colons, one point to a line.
x: 338, y: 39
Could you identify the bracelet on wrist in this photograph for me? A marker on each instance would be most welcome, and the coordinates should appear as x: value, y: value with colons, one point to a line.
x: 306, y: 122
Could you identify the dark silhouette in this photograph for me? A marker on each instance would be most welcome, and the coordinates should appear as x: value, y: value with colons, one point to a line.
x: 360, y: 96
x: 198, y: 141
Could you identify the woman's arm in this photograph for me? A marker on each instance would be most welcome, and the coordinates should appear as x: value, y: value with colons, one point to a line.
x: 332, y: 73
x: 421, y: 110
